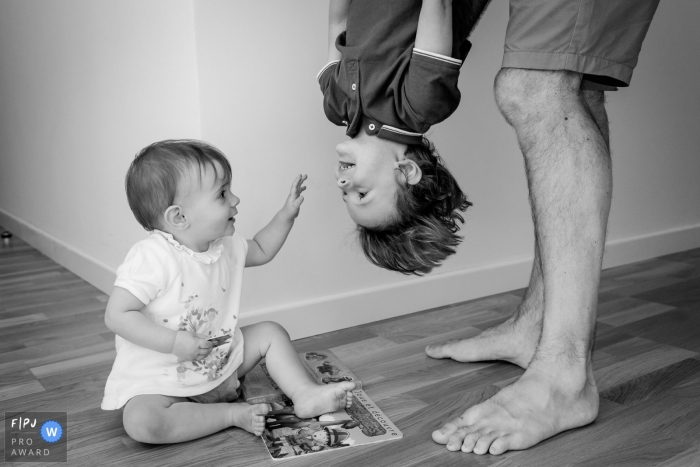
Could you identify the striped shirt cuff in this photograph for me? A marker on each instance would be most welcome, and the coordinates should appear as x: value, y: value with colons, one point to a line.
x: 443, y: 58
x: 330, y: 64
x: 399, y: 131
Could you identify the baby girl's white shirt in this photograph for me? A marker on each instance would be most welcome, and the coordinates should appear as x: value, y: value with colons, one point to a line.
x: 182, y: 290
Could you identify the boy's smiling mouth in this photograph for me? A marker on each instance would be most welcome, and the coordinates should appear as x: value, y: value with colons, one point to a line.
x: 346, y: 165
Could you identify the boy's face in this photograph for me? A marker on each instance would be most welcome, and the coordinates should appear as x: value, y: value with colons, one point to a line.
x: 368, y: 176
x: 208, y: 204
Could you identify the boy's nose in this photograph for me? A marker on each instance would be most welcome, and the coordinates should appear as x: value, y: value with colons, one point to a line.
x: 235, y: 201
x: 343, y: 183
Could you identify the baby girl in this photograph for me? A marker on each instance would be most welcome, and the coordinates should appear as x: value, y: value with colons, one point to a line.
x: 174, y: 308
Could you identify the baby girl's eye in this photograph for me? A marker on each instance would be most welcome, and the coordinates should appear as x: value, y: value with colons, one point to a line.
x: 223, y: 193
x: 362, y: 195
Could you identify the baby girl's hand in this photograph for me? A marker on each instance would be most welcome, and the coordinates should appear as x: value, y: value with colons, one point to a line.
x: 189, y: 346
x: 294, y: 200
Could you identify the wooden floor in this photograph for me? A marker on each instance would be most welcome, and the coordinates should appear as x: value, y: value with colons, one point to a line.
x: 56, y: 353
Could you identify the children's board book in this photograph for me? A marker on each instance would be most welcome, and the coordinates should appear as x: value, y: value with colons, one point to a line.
x: 287, y: 436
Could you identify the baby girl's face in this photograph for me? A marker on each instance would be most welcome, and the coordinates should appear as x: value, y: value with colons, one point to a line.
x: 208, y: 205
x: 367, y: 174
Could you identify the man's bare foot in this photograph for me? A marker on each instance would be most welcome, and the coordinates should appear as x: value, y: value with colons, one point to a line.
x: 315, y: 399
x: 249, y: 417
x: 513, y: 341
x: 534, y: 408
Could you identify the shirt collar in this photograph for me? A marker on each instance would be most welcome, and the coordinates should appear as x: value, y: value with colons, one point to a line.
x: 397, y: 135
x: 210, y: 256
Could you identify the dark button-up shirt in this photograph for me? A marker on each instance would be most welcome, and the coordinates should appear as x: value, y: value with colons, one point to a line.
x: 383, y: 82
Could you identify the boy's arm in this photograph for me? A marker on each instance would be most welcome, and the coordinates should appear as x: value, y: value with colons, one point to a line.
x: 268, y: 242
x: 337, y: 19
x: 434, y: 32
x: 123, y: 317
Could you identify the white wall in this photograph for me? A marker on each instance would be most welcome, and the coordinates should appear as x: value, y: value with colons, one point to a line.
x: 83, y: 86
x: 152, y: 68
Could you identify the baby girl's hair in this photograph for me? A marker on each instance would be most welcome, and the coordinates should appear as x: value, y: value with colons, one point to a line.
x: 424, y: 232
x: 154, y: 175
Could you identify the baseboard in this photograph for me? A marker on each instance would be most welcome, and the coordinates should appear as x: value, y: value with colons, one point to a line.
x: 331, y: 313
x: 89, y: 269
x: 632, y: 249
x: 341, y: 311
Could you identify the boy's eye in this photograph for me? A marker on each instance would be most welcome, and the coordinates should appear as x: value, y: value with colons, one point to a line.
x: 362, y: 195
x: 223, y: 193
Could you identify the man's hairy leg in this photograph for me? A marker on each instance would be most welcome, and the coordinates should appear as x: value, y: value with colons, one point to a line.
x: 513, y: 340
x: 567, y: 161
x: 595, y: 103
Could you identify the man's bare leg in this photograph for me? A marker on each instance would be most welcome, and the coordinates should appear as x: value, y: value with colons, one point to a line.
x: 513, y: 341
x: 563, y: 138
x: 595, y: 102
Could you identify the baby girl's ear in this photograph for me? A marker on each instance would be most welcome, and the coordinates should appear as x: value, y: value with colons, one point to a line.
x: 410, y: 170
x: 175, y: 219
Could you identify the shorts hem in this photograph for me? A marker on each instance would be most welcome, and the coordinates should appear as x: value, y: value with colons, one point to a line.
x: 620, y: 73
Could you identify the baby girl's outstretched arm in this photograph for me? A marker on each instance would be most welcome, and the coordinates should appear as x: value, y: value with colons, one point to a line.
x: 434, y: 32
x: 124, y: 317
x: 266, y: 243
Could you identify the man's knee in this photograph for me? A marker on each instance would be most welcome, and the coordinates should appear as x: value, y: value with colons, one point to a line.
x: 595, y: 103
x: 594, y: 99
x: 522, y: 94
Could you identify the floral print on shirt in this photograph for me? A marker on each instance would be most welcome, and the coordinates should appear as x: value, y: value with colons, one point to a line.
x: 199, y: 320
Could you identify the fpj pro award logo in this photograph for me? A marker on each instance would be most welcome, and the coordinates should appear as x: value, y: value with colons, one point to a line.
x: 35, y: 436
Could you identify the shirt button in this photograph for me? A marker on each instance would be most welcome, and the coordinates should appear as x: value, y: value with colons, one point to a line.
x: 353, y: 86
x: 371, y: 126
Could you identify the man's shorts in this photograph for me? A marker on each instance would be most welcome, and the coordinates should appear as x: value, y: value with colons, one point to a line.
x: 599, y: 38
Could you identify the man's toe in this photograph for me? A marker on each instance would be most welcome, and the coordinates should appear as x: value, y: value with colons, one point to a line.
x: 436, y: 351
x: 455, y: 441
x: 442, y: 435
x: 500, y: 445
x: 482, y: 446
x: 470, y: 441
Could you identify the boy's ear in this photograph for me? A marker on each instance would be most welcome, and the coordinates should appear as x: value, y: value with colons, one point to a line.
x: 175, y: 218
x: 410, y: 170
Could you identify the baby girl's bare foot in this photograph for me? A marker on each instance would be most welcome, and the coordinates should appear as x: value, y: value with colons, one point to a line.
x: 315, y: 399
x: 513, y: 341
x: 249, y: 417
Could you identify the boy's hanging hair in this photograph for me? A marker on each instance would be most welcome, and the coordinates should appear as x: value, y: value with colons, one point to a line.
x: 425, y: 233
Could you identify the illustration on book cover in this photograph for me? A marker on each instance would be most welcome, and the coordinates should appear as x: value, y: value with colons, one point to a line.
x: 286, y: 435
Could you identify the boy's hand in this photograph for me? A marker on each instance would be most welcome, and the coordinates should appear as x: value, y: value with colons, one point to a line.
x: 294, y: 200
x: 189, y: 346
